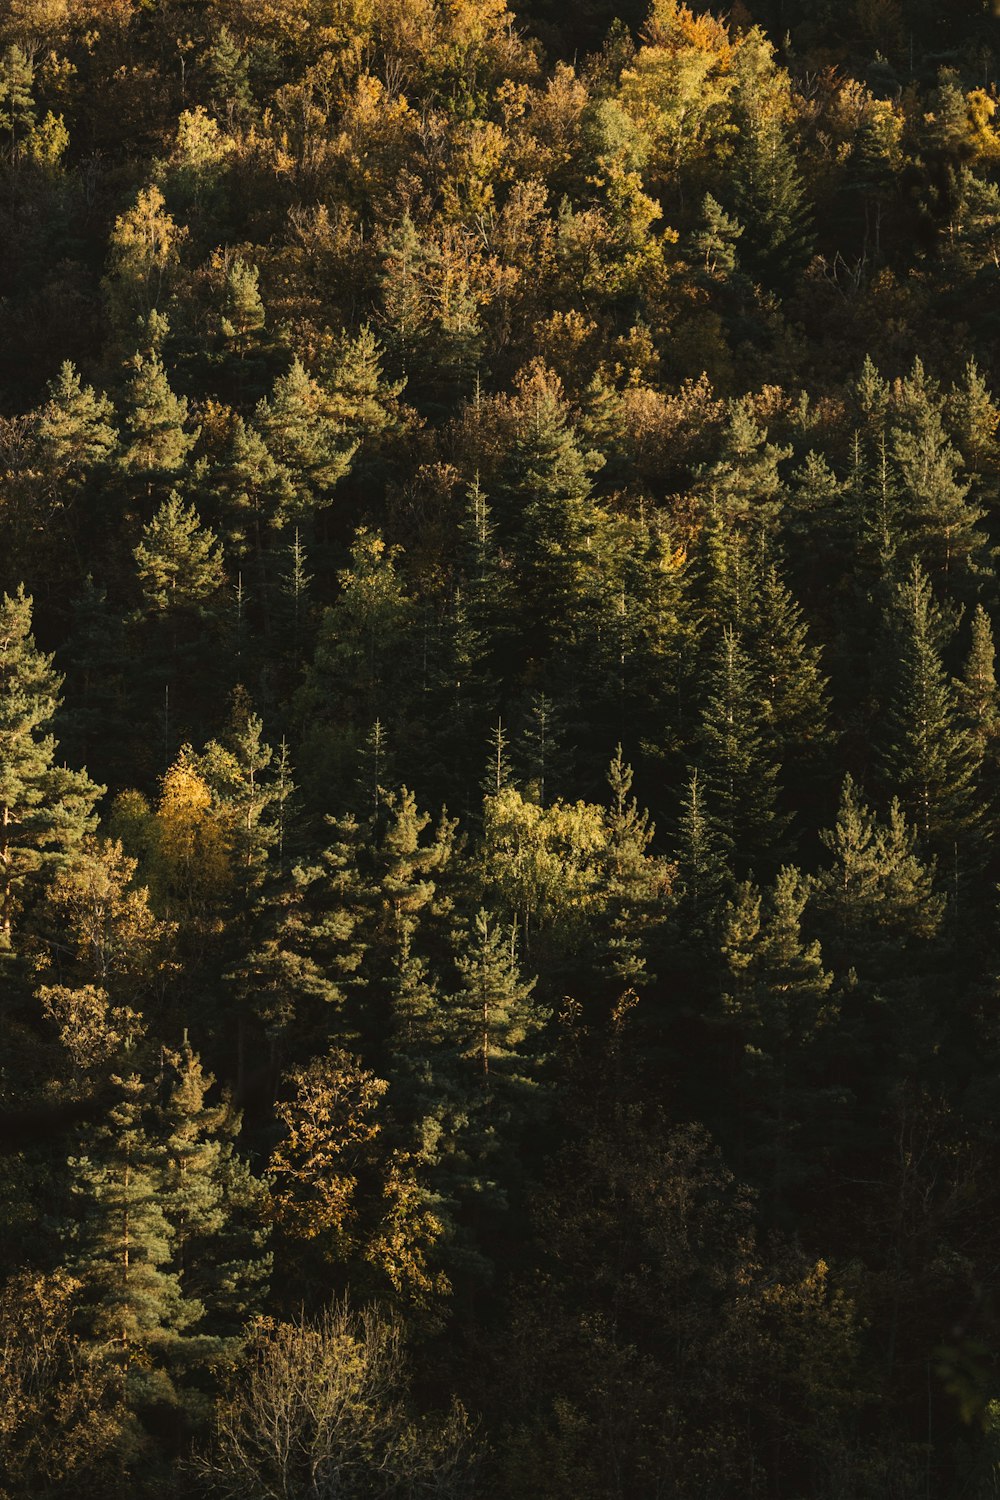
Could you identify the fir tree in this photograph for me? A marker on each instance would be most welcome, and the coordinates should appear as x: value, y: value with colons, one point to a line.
x: 215, y: 1207
x: 179, y: 561
x: 74, y: 429
x: 877, y: 896
x: 768, y: 193
x: 778, y: 995
x: 133, y: 1302
x: 743, y: 487
x: 543, y: 500
x: 928, y: 757
x: 492, y: 1013
x: 977, y: 693
x: 702, y: 868
x: 45, y: 809
x: 158, y: 443
x: 312, y: 448
x: 741, y: 772
x: 941, y: 519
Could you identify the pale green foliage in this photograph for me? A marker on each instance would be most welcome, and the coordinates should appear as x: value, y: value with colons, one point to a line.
x: 179, y: 561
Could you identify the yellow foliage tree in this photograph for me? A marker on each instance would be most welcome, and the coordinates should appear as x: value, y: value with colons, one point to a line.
x: 677, y: 89
x: 191, y: 848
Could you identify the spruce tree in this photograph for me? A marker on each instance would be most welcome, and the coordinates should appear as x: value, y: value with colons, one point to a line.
x: 492, y: 1014
x: 74, y: 429
x: 158, y: 442
x: 133, y: 1301
x: 942, y: 520
x: 312, y: 448
x: 45, y: 808
x: 927, y: 755
x: 216, y: 1209
x: 741, y: 770
x: 179, y: 561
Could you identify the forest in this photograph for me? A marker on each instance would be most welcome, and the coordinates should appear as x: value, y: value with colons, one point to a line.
x: 499, y: 750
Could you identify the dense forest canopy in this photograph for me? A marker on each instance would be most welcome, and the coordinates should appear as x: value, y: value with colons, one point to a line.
x: 499, y: 749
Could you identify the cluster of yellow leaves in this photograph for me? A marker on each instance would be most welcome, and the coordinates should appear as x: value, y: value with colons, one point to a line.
x: 331, y: 1143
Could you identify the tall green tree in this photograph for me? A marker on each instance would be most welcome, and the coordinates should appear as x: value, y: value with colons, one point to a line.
x: 928, y: 757
x: 740, y: 765
x: 45, y: 808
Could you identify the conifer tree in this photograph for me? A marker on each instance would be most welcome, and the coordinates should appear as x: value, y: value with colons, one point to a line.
x: 313, y: 449
x: 743, y: 487
x: 491, y: 1015
x: 702, y: 869
x: 928, y: 757
x: 242, y: 307
x: 158, y: 443
x: 778, y: 994
x: 242, y: 776
x: 543, y: 500
x: 133, y: 1301
x: 716, y: 242
x: 977, y: 693
x: 179, y: 561
x: 787, y: 665
x: 974, y: 418
x: 637, y: 883
x: 245, y: 485
x: 877, y: 896
x: 741, y: 771
x: 942, y: 520
x: 73, y: 429
x: 768, y: 193
x: 215, y: 1207
x: 45, y: 809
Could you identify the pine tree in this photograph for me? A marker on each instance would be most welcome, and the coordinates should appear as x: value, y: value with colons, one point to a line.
x: 45, y: 809
x: 215, y: 1207
x: 877, y: 896
x: 159, y: 442
x: 73, y: 429
x: 17, y: 108
x: 133, y: 1301
x: 241, y: 774
x: 741, y: 772
x: 974, y: 417
x: 492, y: 1014
x: 715, y: 242
x: 768, y: 193
x: 179, y: 561
x: 359, y: 397
x: 778, y: 995
x: 245, y: 485
x: 928, y: 757
x: 229, y: 70
x: 242, y: 307
x: 941, y: 518
x: 313, y: 449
